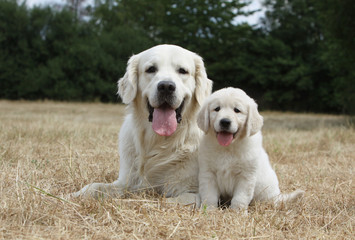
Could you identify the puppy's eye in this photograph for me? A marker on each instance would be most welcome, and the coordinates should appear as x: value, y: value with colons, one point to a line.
x: 183, y: 71
x: 151, y: 69
x: 217, y: 109
x: 236, y: 110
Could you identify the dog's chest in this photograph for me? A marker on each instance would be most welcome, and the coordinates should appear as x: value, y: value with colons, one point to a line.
x: 228, y: 169
x: 227, y: 173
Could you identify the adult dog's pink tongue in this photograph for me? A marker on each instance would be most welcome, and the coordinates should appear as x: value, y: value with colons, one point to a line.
x: 164, y: 121
x: 224, y: 138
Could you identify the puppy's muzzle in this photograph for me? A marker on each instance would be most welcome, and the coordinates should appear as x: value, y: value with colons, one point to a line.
x: 225, y: 124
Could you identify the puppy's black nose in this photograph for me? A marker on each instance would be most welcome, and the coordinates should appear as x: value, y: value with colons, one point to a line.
x: 166, y: 87
x: 225, y: 123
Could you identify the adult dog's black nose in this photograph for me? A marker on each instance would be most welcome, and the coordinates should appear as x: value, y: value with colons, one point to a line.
x: 225, y: 123
x: 166, y: 87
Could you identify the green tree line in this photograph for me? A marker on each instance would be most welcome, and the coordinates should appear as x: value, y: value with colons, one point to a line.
x: 299, y: 58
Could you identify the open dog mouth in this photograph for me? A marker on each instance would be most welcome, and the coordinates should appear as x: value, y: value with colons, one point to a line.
x: 225, y: 138
x: 165, y: 118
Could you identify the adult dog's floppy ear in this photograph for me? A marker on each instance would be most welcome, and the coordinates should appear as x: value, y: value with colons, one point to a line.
x: 203, y: 84
x: 203, y: 118
x: 254, y: 121
x: 128, y: 84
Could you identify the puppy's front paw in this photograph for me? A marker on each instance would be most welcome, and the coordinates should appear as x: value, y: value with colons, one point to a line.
x: 206, y: 207
x: 240, y: 208
x: 209, y: 204
x: 241, y: 211
x: 186, y: 199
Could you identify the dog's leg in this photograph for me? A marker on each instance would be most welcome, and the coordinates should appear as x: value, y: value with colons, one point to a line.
x: 100, y: 190
x: 127, y: 173
x: 243, y: 193
x: 208, y: 189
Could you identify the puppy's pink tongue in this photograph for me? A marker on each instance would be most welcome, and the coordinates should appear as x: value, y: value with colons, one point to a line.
x: 164, y: 121
x: 224, y: 138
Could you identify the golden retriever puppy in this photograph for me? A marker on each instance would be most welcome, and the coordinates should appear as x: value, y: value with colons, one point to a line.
x: 164, y: 88
x: 233, y: 163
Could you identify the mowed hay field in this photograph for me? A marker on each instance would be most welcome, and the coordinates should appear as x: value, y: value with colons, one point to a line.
x: 49, y: 149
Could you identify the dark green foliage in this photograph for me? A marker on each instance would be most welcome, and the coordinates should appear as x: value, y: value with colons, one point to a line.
x: 338, y: 21
x: 301, y: 81
x: 300, y: 58
x: 47, y: 54
x: 14, y: 49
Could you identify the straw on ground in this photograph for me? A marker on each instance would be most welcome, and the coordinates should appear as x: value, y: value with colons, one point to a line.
x: 48, y: 150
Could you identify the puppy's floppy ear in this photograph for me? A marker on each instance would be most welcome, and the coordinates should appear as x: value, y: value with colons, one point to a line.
x: 254, y: 121
x: 203, y: 118
x: 203, y: 84
x: 128, y: 84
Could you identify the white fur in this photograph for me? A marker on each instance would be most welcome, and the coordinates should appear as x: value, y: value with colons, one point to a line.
x: 242, y: 170
x: 147, y: 160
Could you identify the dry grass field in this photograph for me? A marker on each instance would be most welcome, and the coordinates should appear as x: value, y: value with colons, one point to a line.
x: 49, y: 149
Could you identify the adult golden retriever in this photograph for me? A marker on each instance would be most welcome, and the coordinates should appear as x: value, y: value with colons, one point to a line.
x: 164, y: 88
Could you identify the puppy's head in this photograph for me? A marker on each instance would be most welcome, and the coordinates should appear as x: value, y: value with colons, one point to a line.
x: 166, y: 81
x: 230, y: 113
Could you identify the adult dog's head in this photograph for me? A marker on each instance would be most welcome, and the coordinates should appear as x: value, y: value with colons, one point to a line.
x: 165, y: 82
x: 230, y: 113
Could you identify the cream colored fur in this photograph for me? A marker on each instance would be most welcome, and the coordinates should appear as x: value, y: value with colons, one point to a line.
x: 167, y: 164
x: 241, y: 170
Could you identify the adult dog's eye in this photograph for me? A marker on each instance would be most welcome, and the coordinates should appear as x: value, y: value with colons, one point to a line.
x: 183, y: 71
x: 236, y: 110
x: 151, y: 69
x: 217, y: 109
